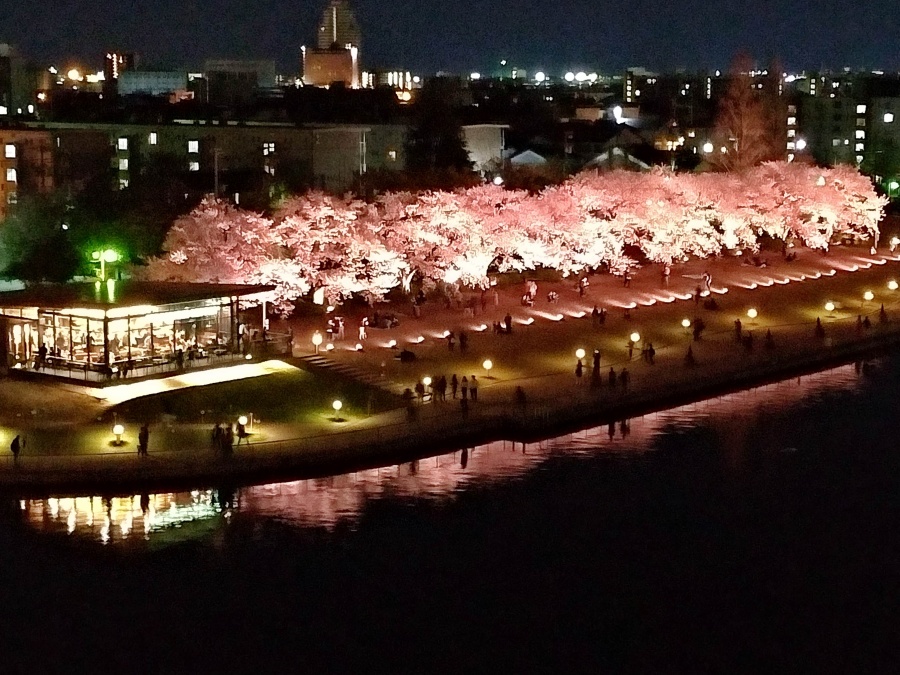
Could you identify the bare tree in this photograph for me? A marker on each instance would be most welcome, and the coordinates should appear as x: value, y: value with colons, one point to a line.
x: 745, y: 123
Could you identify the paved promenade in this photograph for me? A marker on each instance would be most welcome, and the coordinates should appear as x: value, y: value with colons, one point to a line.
x: 66, y: 448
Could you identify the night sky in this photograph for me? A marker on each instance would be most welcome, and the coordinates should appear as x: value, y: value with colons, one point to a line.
x: 466, y: 35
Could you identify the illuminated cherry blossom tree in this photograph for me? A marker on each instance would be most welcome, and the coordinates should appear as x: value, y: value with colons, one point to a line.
x: 345, y: 246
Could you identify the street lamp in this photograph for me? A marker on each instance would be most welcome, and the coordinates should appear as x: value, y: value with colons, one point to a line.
x: 685, y: 323
x: 118, y: 430
x: 752, y: 313
x: 893, y: 285
x: 337, y: 405
x: 242, y: 420
x: 103, y: 257
x: 487, y: 365
x: 829, y: 306
x: 635, y: 337
x: 317, y: 340
x: 868, y: 296
x: 579, y: 353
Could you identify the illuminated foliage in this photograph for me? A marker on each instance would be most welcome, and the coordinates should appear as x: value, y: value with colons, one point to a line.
x: 346, y: 246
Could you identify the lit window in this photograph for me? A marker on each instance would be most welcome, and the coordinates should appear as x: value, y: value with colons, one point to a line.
x: 123, y: 164
x: 268, y: 148
x: 792, y: 133
x: 123, y: 144
x: 859, y: 159
x: 790, y: 145
x: 10, y: 151
x: 790, y: 157
x: 12, y: 198
x: 4, y: 110
x: 860, y: 133
x: 846, y: 141
x: 860, y: 147
x: 194, y: 166
x: 792, y: 121
x: 392, y: 155
x: 792, y: 109
x: 154, y: 139
x: 123, y: 183
x: 861, y: 110
x: 860, y: 121
x: 835, y: 142
x: 193, y: 147
x: 11, y: 175
x: 888, y: 117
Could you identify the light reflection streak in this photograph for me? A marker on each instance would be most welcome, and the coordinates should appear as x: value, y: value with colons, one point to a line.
x: 328, y: 502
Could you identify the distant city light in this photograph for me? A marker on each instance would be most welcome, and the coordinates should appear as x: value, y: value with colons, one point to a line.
x: 540, y: 77
x: 74, y: 74
x: 708, y: 147
x: 475, y: 76
x: 570, y: 77
x: 801, y: 144
x: 498, y: 180
x: 581, y: 77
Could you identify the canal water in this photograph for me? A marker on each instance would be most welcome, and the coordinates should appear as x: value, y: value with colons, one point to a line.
x: 748, y: 533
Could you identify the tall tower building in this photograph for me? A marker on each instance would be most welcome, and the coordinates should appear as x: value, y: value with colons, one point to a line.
x: 338, y: 27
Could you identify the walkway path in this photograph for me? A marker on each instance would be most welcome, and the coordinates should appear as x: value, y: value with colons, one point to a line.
x: 539, y: 355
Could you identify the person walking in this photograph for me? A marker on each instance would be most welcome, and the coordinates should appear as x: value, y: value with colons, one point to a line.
x: 820, y: 329
x: 473, y: 389
x: 16, y: 447
x: 651, y: 354
x: 626, y: 279
x: 464, y: 388
x: 242, y: 434
x: 442, y: 387
x: 579, y: 371
x: 612, y: 377
x: 143, y: 440
x: 738, y: 330
x: 667, y: 271
x: 508, y: 321
x: 363, y: 326
x: 595, y: 317
x: 454, y: 385
x: 451, y: 341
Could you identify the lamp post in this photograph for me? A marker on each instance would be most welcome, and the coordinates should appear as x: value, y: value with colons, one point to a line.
x: 103, y: 257
x: 487, y: 365
x: 317, y: 340
x: 118, y: 430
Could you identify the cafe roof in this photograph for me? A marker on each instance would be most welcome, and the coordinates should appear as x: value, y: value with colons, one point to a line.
x: 110, y: 294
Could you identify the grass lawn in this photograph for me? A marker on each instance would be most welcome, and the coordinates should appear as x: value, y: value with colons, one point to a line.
x: 298, y: 397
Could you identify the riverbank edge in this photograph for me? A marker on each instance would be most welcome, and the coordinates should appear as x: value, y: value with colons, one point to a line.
x: 542, y: 422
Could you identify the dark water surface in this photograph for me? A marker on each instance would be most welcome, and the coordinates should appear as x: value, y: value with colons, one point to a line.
x: 758, y: 532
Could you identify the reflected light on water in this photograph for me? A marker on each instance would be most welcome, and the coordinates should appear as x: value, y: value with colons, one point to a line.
x: 328, y: 502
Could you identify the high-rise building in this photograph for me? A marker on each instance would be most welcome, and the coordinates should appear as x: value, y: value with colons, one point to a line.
x: 338, y: 27
x: 114, y: 64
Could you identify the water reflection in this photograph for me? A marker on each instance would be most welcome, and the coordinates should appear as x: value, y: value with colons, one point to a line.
x: 327, y: 502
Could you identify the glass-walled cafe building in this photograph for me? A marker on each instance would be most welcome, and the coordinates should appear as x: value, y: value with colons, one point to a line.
x: 99, y: 330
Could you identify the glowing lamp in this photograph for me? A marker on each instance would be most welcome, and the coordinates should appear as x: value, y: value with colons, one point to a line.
x: 498, y: 180
x: 895, y: 241
x: 392, y: 344
x: 118, y: 430
x: 426, y: 381
x: 249, y: 357
x: 110, y: 256
x: 893, y: 285
x: 635, y: 337
x: 359, y: 347
x: 829, y: 306
x: 317, y: 340
x: 420, y: 339
x: 242, y: 420
x: 337, y: 405
x: 445, y: 334
x: 529, y: 321
x: 487, y: 365
x: 579, y: 353
x: 686, y: 323
x: 329, y: 347
x: 752, y: 313
x: 868, y: 296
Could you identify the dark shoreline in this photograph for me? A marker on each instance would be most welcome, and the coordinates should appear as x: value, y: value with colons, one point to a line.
x: 540, y: 423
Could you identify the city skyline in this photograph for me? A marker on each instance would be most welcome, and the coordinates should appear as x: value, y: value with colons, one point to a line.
x: 430, y: 36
